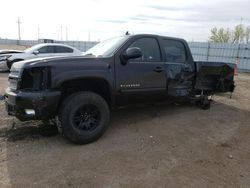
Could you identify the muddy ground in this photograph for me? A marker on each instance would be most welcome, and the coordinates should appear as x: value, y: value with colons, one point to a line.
x: 168, y: 145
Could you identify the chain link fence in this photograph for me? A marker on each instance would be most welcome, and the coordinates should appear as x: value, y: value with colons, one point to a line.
x: 202, y: 51
x: 81, y: 45
x: 224, y: 52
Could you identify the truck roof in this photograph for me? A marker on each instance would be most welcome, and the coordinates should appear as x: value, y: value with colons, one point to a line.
x: 155, y: 35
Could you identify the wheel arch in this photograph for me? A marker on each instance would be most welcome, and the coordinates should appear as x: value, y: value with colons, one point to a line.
x: 98, y: 85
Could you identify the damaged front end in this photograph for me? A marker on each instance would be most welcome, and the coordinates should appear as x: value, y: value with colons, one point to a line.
x: 29, y: 95
x: 214, y: 77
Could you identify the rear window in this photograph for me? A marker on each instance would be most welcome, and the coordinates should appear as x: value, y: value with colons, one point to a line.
x: 175, y: 51
x: 46, y: 50
x: 63, y: 49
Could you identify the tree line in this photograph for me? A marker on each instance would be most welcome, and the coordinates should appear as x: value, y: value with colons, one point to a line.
x: 239, y: 34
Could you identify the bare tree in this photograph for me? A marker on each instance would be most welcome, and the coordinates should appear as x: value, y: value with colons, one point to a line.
x: 219, y: 35
x: 238, y: 35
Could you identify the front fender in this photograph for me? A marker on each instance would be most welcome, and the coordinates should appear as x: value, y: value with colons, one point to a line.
x: 59, y: 79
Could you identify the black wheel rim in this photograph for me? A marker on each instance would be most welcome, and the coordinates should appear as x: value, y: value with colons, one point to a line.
x: 87, y: 118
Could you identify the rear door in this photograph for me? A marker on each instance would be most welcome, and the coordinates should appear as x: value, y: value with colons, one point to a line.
x: 46, y: 51
x: 179, y: 66
x: 63, y: 51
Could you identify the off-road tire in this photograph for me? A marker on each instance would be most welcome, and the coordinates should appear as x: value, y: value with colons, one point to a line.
x: 73, y: 104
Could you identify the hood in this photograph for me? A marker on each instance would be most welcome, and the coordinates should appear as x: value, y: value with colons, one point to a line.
x: 56, y: 61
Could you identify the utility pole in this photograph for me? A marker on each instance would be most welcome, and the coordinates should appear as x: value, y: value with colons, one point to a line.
x: 18, y: 25
x: 61, y: 32
x: 58, y: 34
x: 38, y: 33
x: 66, y: 32
x: 88, y: 36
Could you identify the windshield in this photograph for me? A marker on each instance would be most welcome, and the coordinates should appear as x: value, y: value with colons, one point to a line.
x: 106, y: 48
x: 31, y: 49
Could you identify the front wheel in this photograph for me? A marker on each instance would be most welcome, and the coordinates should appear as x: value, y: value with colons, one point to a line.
x: 84, y: 117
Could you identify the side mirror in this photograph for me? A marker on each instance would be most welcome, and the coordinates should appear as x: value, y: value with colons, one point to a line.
x: 36, y: 52
x: 131, y: 53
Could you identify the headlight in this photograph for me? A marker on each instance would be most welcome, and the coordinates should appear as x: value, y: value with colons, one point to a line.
x: 13, y: 84
x: 35, y: 79
x: 5, y: 57
x: 14, y: 78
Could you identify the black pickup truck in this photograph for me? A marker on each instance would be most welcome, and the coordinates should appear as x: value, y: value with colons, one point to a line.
x: 79, y: 92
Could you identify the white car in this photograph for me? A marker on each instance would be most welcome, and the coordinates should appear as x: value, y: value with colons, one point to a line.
x: 37, y: 51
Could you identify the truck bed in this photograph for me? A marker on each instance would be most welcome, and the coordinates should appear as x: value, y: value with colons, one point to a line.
x: 214, y: 76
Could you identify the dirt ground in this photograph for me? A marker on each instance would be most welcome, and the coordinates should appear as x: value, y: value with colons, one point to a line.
x: 168, y: 145
x: 13, y: 47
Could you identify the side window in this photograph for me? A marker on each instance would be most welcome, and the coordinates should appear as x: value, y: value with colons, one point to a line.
x: 63, y: 49
x: 150, y: 49
x: 174, y: 51
x: 46, y: 49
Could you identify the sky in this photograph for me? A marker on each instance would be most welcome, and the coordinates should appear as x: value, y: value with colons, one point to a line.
x: 97, y: 20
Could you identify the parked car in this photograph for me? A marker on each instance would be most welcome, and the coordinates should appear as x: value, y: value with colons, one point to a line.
x: 79, y: 92
x: 7, y: 51
x: 4, y: 55
x: 8, y: 57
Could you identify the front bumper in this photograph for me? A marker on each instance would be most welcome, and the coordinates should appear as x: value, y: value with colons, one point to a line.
x: 44, y: 104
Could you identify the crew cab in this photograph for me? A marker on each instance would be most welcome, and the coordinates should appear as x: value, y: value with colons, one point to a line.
x: 79, y: 92
x: 8, y: 57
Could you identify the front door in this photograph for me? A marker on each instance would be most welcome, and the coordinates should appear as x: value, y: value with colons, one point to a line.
x: 142, y: 77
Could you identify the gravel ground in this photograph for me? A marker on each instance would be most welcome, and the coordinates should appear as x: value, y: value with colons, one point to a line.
x: 168, y: 145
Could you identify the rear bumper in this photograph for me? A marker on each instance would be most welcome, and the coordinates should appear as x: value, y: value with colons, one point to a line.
x: 43, y: 103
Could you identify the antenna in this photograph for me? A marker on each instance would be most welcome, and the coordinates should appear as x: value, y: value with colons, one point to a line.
x: 127, y: 33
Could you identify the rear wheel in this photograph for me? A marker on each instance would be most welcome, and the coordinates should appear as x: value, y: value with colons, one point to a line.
x: 84, y: 117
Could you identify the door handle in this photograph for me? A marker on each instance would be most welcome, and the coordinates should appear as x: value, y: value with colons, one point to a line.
x: 158, y: 69
x: 186, y: 69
